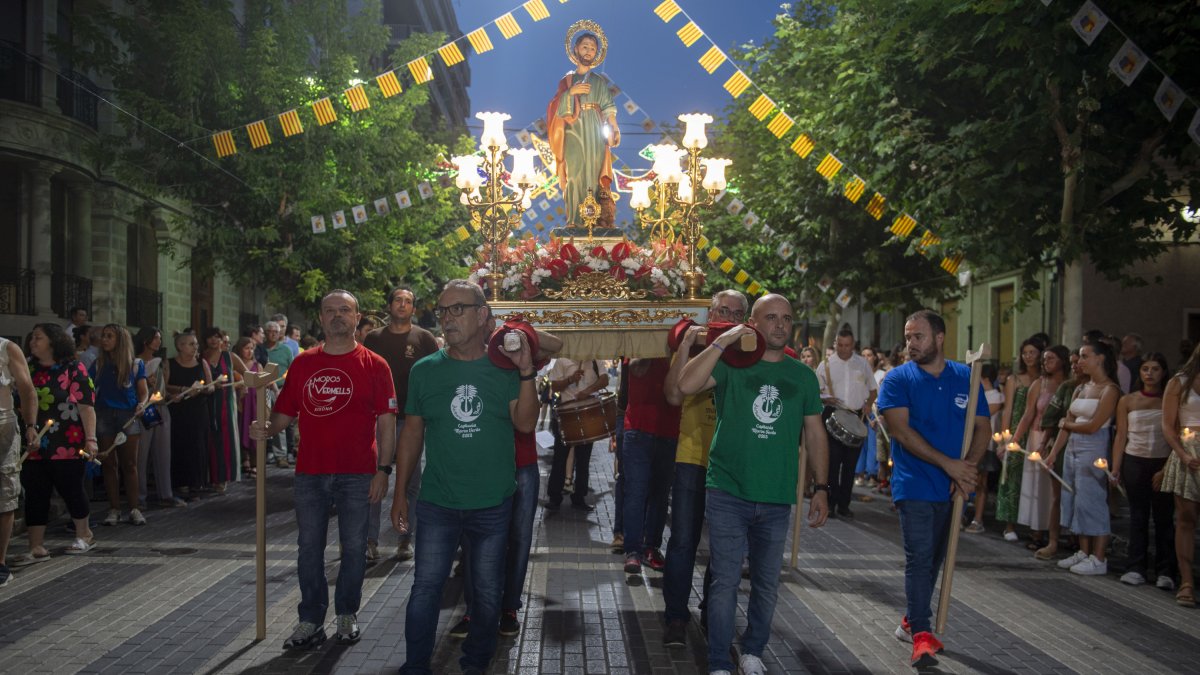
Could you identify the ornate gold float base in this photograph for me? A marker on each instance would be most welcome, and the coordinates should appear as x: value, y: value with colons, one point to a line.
x: 606, y: 329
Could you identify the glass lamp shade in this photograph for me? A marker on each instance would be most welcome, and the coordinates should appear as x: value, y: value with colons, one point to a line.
x: 640, y: 199
x: 466, y: 198
x: 693, y: 135
x: 526, y: 201
x: 493, y: 129
x: 685, y: 189
x: 468, y: 172
x: 523, y: 172
x: 714, y: 173
x: 666, y: 163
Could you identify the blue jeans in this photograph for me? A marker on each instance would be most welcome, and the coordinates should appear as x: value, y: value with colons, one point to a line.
x: 412, y: 490
x: 647, y: 462
x: 314, y: 495
x: 687, y: 520
x: 619, y: 479
x: 520, y: 538
x: 485, y: 535
x: 732, y: 524
x: 924, y: 528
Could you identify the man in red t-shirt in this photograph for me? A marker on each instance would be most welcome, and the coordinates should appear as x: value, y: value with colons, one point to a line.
x: 343, y: 395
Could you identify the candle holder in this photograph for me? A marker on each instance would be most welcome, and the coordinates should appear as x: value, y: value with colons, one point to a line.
x: 493, y: 213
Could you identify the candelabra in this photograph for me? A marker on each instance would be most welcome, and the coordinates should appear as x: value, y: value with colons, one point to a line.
x: 675, y: 187
x: 494, y: 213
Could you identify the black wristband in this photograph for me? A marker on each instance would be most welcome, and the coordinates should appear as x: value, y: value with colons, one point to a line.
x: 386, y: 468
x: 821, y: 486
x: 527, y: 378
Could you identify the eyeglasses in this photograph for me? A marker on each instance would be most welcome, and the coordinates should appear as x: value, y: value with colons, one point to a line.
x: 729, y: 313
x: 453, y: 310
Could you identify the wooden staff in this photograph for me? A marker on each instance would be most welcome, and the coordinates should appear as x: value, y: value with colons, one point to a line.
x: 975, y: 360
x: 259, y: 382
x: 800, y: 486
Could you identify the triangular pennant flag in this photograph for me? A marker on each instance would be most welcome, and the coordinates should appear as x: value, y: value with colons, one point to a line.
x: 420, y: 70
x: 829, y: 167
x: 1168, y: 98
x: 290, y: 122
x: 258, y: 134
x: 388, y: 84
x: 712, y: 59
x: 508, y: 26
x: 689, y: 33
x: 537, y: 10
x: 1128, y: 63
x: 875, y: 206
x: 928, y: 238
x: 780, y: 124
x: 667, y: 10
x: 323, y: 109
x: 737, y: 83
x: 357, y: 97
x: 803, y: 145
x: 223, y: 140
x: 855, y: 187
x: 762, y: 106
x: 950, y: 264
x: 479, y: 40
x: 1088, y: 22
x: 903, y: 225
x: 451, y: 54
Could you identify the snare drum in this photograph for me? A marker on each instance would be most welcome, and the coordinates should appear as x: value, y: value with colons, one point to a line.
x: 588, y: 420
x: 846, y: 427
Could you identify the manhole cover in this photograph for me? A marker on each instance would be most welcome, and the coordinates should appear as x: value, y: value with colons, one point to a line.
x: 175, y: 551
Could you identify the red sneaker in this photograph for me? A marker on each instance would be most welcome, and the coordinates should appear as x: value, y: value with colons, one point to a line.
x: 655, y: 560
x: 925, y: 648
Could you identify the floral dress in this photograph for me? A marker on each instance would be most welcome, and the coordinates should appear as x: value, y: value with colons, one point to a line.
x: 61, y: 389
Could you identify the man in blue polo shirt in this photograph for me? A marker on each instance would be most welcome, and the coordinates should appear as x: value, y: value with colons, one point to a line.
x: 924, y: 403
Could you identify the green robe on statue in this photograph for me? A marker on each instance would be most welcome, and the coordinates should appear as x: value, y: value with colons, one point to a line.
x: 577, y: 137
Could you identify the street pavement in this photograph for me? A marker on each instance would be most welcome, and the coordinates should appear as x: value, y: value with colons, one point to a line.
x: 177, y: 596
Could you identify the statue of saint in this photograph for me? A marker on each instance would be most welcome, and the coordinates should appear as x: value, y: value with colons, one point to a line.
x: 582, y: 127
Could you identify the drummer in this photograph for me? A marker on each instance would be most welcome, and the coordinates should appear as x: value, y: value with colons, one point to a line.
x: 847, y: 383
x: 572, y: 381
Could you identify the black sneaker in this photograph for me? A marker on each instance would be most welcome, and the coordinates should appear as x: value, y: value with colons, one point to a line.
x: 676, y: 634
x: 5, y: 575
x: 461, y: 628
x: 633, y: 564
x: 509, y: 626
x: 306, y: 636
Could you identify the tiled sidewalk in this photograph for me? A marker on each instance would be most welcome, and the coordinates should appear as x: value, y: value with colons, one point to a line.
x: 177, y: 596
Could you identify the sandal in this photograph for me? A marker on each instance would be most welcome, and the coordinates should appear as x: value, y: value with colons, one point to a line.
x: 81, y: 545
x: 27, y: 559
x: 1046, y: 553
x: 1184, y: 597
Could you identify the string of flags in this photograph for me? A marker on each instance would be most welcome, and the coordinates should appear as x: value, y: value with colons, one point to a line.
x: 355, y: 98
x: 1129, y: 62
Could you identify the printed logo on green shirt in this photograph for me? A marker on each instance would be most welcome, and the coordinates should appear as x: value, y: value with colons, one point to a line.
x: 767, y: 408
x: 466, y: 406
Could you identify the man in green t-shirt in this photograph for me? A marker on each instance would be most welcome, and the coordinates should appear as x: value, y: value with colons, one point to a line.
x: 463, y: 410
x: 753, y: 463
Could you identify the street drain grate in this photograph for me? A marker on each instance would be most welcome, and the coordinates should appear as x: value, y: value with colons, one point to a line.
x: 175, y: 551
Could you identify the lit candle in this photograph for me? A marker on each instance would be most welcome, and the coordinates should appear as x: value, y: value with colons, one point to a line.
x: 1035, y: 456
x: 997, y: 437
x: 156, y: 397
x: 1007, y: 435
x: 1187, y: 435
x: 890, y: 463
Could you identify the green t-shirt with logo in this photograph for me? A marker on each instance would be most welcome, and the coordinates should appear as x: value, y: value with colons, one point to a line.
x: 470, y: 456
x: 760, y: 416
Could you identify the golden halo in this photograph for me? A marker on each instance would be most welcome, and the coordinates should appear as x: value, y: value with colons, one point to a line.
x: 592, y: 28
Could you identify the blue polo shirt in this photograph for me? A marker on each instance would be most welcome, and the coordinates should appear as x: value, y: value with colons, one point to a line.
x: 937, y: 409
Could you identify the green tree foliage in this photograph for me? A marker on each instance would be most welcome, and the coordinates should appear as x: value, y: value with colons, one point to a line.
x: 991, y: 123
x: 190, y: 68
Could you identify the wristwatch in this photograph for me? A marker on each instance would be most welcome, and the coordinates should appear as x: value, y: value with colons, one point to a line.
x: 821, y: 486
x: 386, y: 469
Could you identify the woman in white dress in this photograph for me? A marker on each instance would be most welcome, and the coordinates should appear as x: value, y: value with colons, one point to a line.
x: 1034, y: 506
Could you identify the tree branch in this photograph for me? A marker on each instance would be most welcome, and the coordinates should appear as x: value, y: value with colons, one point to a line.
x: 1138, y: 169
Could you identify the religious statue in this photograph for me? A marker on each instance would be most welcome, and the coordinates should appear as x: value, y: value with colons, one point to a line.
x: 582, y: 128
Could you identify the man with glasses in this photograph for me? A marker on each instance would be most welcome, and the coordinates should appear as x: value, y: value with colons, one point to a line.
x: 696, y: 426
x: 469, y: 408
x: 762, y: 410
x: 401, y: 344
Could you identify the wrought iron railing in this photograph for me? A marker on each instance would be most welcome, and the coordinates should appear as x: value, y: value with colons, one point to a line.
x: 16, y: 291
x: 143, y: 307
x: 68, y: 291
x: 77, y: 98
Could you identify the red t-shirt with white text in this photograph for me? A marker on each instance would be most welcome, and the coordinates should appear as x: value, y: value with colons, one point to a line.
x: 337, y: 398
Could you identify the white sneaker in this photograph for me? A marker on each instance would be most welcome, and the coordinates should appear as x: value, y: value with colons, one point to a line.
x: 720, y: 672
x: 1076, y: 558
x: 1133, y: 578
x: 113, y: 517
x: 859, y: 482
x: 750, y: 664
x: 1011, y: 535
x: 1090, y: 567
x: 136, y: 517
x: 1165, y: 582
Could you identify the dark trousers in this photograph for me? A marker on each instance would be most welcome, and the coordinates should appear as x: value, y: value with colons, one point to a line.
x: 40, y: 477
x: 842, y: 460
x: 558, y: 471
x: 1144, y: 502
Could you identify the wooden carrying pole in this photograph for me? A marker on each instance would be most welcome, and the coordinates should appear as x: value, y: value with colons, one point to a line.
x: 975, y: 359
x: 259, y: 382
x: 801, y: 484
